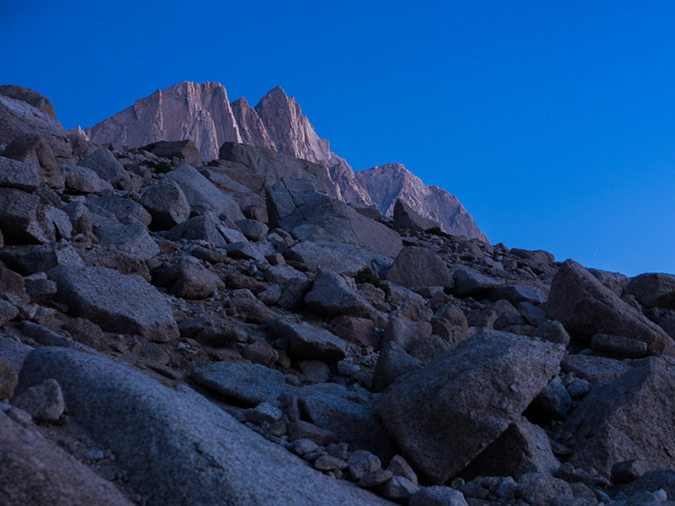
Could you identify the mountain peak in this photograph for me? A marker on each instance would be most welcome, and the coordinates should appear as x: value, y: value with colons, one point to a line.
x: 203, y: 114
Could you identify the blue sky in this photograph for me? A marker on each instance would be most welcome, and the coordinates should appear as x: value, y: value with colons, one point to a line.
x: 553, y: 122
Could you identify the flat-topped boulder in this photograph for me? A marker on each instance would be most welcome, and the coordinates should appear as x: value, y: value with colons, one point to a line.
x: 308, y: 342
x: 117, y: 302
x: 249, y: 384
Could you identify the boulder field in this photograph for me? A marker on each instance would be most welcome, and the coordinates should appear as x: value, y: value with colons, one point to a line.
x: 180, y: 333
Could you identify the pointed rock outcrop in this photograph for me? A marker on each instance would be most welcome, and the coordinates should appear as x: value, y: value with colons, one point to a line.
x: 251, y: 127
x: 199, y: 112
x: 387, y: 183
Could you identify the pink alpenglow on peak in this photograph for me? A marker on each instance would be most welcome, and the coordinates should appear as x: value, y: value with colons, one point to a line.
x: 203, y: 114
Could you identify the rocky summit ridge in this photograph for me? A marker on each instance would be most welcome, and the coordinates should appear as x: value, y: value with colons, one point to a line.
x: 203, y: 114
x: 181, y: 333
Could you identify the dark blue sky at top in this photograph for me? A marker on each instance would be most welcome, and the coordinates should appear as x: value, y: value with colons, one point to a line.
x: 553, y: 122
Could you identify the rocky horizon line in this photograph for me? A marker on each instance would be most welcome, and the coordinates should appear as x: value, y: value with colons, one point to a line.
x: 203, y: 114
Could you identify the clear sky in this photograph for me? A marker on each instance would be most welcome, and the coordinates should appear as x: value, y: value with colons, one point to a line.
x: 553, y: 122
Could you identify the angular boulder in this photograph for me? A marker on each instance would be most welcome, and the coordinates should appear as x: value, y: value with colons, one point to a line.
x: 405, y: 217
x: 586, y: 307
x: 249, y: 384
x: 653, y: 290
x: 417, y: 266
x: 346, y: 259
x: 106, y: 166
x: 199, y: 190
x: 349, y: 414
x: 20, y: 175
x: 167, y: 204
x: 28, y: 260
x: 515, y: 294
x: 256, y: 167
x: 307, y: 342
x: 627, y: 418
x: 23, y: 219
x: 184, y: 150
x: 471, y: 283
x: 522, y: 448
x: 124, y: 209
x: 295, y: 206
x: 35, y: 150
x: 84, y: 180
x: 445, y: 414
x: 330, y: 296
x: 21, y: 114
x: 133, y: 239
x: 117, y: 302
x: 405, y: 333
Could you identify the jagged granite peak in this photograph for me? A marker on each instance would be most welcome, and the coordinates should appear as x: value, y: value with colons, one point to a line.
x: 294, y: 135
x: 290, y: 130
x: 251, y: 127
x: 387, y: 183
x: 203, y: 114
x: 199, y: 112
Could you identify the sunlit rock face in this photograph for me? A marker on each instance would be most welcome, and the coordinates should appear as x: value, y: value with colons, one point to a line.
x: 387, y: 183
x: 203, y: 114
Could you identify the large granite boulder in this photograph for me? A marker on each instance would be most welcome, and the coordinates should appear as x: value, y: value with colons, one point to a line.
x: 184, y: 150
x: 405, y: 217
x: 653, y: 290
x: 20, y: 175
x: 308, y: 342
x: 24, y: 219
x: 133, y: 239
x: 350, y: 414
x: 84, y: 180
x: 346, y: 259
x: 35, y: 150
x: 257, y: 167
x: 27, y: 260
x: 199, y: 190
x: 330, y: 296
x: 249, y: 384
x: 522, y: 448
x: 117, y: 302
x: 33, y: 98
x: 627, y: 418
x: 416, y: 266
x: 177, y: 447
x: 447, y: 413
x: 586, y: 307
x: 108, y: 168
x: 25, y: 112
x: 297, y: 207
